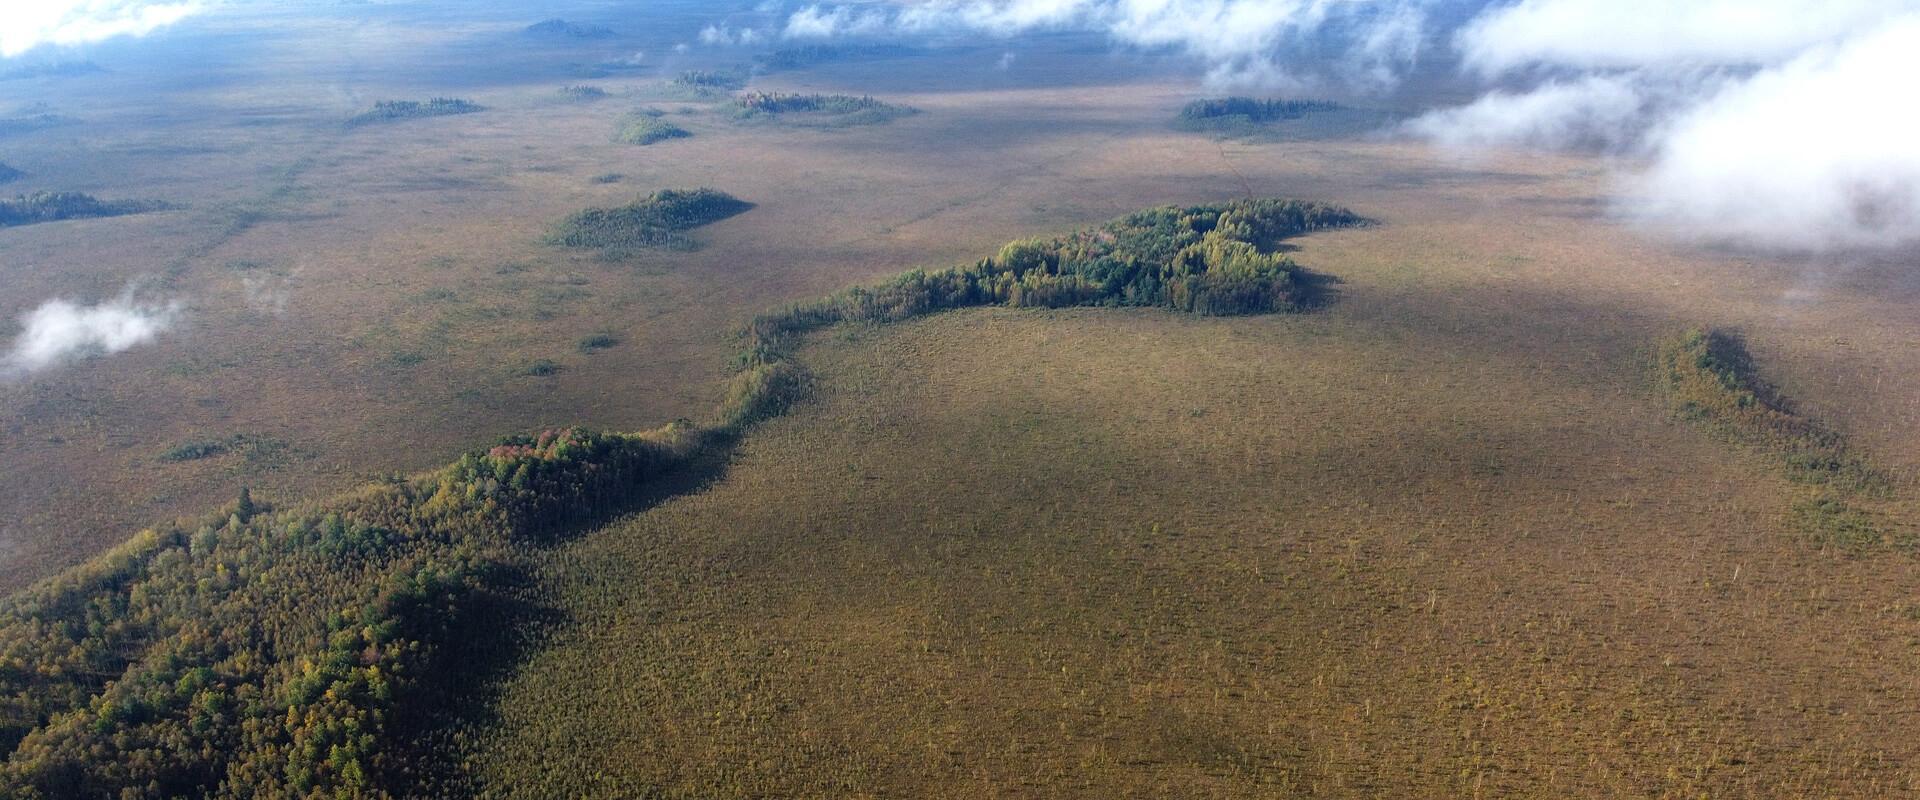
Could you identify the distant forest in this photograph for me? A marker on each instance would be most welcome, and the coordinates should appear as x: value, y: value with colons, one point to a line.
x: 833, y: 110
x: 810, y: 55
x: 28, y: 209
x: 313, y: 650
x: 391, y: 110
x: 8, y: 173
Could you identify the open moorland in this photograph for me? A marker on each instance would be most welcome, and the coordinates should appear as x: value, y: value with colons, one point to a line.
x: 1468, y: 489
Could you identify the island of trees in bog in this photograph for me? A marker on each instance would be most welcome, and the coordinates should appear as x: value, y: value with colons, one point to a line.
x: 1255, y: 117
x: 394, y: 110
x: 647, y: 127
x: 825, y: 110
x: 28, y: 209
x: 191, y: 662
x: 660, y: 220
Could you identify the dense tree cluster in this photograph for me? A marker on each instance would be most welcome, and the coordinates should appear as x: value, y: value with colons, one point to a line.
x: 288, y: 653
x: 261, y: 653
x: 1253, y: 110
x: 392, y: 110
x: 847, y: 110
x: 715, y: 80
x: 28, y: 209
x: 658, y: 220
x: 647, y: 128
x: 583, y: 92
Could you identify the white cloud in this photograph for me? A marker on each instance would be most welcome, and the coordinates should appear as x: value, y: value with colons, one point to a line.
x: 27, y: 24
x: 1638, y: 33
x: 1777, y: 124
x: 1596, y: 111
x: 1241, y: 42
x: 1821, y: 152
x: 59, y: 331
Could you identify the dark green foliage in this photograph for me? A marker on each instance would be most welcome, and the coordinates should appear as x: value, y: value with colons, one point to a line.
x: 263, y: 653
x: 583, y: 92
x: 643, y: 128
x: 597, y: 342
x: 609, y: 177
x: 8, y: 173
x: 1252, y: 110
x: 541, y: 368
x: 711, y: 80
x: 570, y: 30
x: 194, y: 451
x: 659, y: 220
x: 835, y: 110
x: 393, y: 110
x: 28, y: 209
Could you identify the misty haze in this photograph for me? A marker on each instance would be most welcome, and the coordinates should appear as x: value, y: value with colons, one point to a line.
x: 959, y: 398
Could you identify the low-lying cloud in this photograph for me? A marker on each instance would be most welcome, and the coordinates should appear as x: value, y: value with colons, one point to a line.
x: 60, y: 331
x: 1779, y: 124
x: 1240, y: 42
x: 28, y: 24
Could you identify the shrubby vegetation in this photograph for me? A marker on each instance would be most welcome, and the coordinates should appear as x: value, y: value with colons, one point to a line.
x: 393, y: 110
x: 583, y: 92
x: 835, y: 110
x: 28, y: 209
x: 299, y: 652
x: 726, y: 80
x: 1709, y: 379
x: 647, y: 128
x: 658, y: 220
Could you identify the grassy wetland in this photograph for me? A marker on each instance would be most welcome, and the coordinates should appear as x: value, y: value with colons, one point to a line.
x: 1015, y: 447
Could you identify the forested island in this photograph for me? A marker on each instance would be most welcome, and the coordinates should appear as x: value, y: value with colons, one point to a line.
x: 394, y: 110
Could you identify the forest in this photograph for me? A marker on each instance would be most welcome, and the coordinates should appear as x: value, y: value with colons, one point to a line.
x: 394, y: 110
x: 1253, y: 110
x: 28, y: 209
x: 660, y: 219
x: 298, y: 651
x: 647, y: 127
x: 8, y: 173
x: 833, y: 109
x: 583, y: 92
x: 711, y: 80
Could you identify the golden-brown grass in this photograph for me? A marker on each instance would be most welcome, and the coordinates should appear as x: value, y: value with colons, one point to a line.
x: 1122, y: 553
